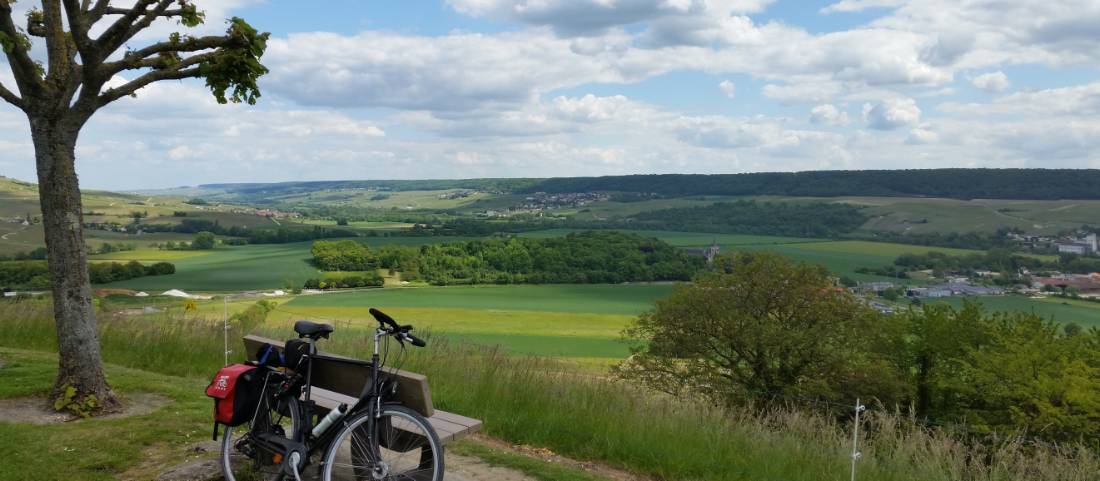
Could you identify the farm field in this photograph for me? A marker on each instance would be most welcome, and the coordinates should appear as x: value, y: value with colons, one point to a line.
x: 925, y: 215
x: 841, y: 257
x: 273, y: 266
x: 357, y: 225
x: 229, y: 269
x: 579, y: 322
x: 1061, y: 310
x: 239, y: 268
x: 374, y: 199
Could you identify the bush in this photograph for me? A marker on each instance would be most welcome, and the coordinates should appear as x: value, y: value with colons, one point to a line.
x: 160, y: 269
x: 761, y: 326
x: 204, y: 241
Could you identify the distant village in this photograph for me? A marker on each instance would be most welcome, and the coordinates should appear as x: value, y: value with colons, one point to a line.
x: 541, y: 201
x: 1084, y: 245
x: 884, y: 295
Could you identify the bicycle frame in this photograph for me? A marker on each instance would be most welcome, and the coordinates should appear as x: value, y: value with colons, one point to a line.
x: 370, y: 399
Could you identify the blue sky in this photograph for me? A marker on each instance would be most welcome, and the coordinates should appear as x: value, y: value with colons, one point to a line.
x: 503, y: 88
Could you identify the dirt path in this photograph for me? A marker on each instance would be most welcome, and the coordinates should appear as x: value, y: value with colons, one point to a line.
x: 6, y: 236
x: 463, y: 468
x: 206, y: 468
x: 36, y: 410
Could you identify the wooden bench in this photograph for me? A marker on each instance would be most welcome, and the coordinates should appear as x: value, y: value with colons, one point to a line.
x: 340, y: 380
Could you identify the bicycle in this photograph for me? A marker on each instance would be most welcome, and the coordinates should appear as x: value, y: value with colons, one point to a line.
x: 375, y: 439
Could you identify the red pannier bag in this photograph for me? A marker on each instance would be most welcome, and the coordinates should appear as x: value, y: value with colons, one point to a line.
x: 236, y: 390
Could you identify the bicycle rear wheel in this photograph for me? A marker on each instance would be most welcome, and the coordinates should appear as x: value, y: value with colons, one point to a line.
x: 407, y: 449
x: 241, y: 460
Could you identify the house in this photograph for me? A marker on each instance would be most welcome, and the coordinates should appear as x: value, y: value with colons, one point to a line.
x: 1080, y: 282
x: 1081, y: 246
x: 709, y: 253
x: 873, y: 287
x: 971, y: 290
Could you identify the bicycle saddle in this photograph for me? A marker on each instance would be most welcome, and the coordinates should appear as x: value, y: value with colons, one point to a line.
x: 312, y: 330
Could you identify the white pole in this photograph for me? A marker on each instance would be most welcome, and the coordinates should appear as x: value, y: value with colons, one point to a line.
x: 225, y: 328
x: 855, y: 438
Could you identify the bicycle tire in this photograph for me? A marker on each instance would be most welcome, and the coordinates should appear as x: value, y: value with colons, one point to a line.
x: 412, y: 433
x: 237, y: 466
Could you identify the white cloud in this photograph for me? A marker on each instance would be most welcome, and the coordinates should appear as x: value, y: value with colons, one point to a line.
x: 671, y: 20
x: 849, y: 6
x: 728, y: 88
x: 828, y: 114
x: 891, y: 114
x: 1076, y: 101
x: 993, y: 82
x: 922, y: 135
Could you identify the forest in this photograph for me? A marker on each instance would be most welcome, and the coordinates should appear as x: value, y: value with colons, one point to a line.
x: 280, y: 235
x: 815, y: 219
x: 584, y: 257
x: 36, y: 275
x: 1002, y: 261
x: 949, y: 183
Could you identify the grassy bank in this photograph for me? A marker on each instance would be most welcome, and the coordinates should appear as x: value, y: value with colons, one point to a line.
x: 538, y: 402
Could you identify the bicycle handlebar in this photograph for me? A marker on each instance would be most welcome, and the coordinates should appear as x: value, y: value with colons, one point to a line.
x: 400, y: 332
x: 383, y: 319
x: 416, y: 341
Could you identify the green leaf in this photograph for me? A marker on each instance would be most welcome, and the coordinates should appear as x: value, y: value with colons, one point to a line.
x: 234, y: 71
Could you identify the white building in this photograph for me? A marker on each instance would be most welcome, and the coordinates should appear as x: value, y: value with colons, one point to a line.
x: 1085, y: 246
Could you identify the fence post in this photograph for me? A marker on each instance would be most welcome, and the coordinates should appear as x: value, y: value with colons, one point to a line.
x: 855, y: 437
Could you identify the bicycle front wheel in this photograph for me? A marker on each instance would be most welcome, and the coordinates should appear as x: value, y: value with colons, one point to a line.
x: 241, y: 459
x: 406, y: 448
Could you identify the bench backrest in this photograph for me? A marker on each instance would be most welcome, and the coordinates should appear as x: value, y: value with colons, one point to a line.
x: 348, y: 376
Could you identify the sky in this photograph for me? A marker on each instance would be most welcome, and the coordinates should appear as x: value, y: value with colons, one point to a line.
x: 545, y: 88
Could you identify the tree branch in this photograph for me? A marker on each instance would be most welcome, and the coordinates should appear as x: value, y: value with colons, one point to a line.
x: 58, y: 47
x: 123, y: 11
x: 25, y: 70
x: 76, y: 12
x: 116, y: 34
x: 10, y: 97
x: 187, y: 68
x: 141, y: 58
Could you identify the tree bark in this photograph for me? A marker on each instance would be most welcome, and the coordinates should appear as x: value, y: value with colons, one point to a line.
x: 79, y: 359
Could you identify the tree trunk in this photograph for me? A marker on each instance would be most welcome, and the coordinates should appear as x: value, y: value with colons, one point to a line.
x: 80, y: 363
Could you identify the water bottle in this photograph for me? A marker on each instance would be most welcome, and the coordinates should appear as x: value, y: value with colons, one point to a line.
x: 332, y: 416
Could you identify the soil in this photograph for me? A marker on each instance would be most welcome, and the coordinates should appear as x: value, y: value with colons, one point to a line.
x: 459, y: 468
x: 37, y: 410
x: 463, y: 468
x: 549, y: 456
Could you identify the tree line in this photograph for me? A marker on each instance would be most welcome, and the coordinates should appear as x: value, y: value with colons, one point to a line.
x: 950, y: 183
x: 583, y: 257
x: 796, y: 219
x: 36, y: 275
x: 1002, y: 261
x: 762, y: 329
x: 280, y: 235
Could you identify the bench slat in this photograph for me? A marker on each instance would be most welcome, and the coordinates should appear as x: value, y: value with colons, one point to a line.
x: 443, y: 422
x: 348, y: 376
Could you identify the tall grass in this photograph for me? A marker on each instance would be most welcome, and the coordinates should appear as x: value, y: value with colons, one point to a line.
x: 540, y: 402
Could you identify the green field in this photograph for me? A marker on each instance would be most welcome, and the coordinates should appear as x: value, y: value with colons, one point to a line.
x: 1084, y: 313
x: 240, y: 268
x: 231, y: 269
x: 623, y: 299
x: 580, y: 322
x: 921, y: 215
x: 373, y: 199
x: 840, y: 257
x: 273, y: 266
